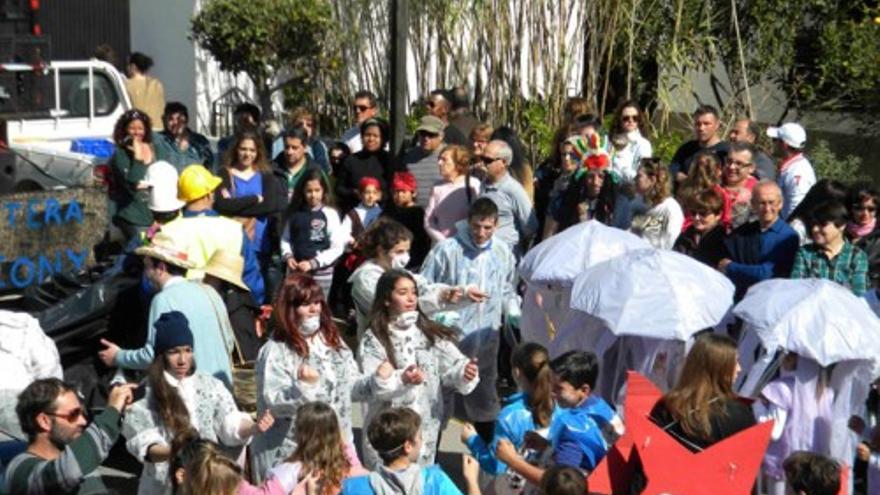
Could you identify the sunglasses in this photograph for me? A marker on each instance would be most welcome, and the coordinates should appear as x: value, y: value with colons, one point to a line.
x: 360, y: 108
x: 629, y: 118
x: 71, y: 416
x: 488, y: 160
x: 869, y: 209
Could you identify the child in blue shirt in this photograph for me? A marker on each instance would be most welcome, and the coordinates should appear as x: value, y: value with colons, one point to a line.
x: 529, y: 410
x: 396, y: 436
x: 583, y: 428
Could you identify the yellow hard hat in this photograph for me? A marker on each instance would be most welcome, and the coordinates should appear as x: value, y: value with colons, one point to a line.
x: 196, y: 182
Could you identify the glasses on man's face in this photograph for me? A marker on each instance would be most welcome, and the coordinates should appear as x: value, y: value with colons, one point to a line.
x: 487, y: 160
x: 629, y: 118
x: 360, y: 108
x: 71, y: 416
x: 869, y: 209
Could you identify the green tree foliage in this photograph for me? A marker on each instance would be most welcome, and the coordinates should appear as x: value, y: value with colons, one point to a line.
x: 265, y: 38
x: 829, y: 165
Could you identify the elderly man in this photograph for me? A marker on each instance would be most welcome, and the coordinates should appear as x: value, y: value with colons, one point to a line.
x: 737, y: 181
x: 747, y: 131
x: 706, y: 124
x: 762, y: 249
x: 165, y: 265
x: 517, y: 221
x: 796, y: 175
x: 180, y: 145
x: 62, y: 451
x: 365, y: 107
x: 421, y: 161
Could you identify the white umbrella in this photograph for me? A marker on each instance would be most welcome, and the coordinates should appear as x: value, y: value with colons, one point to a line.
x: 814, y: 318
x: 564, y: 256
x: 655, y: 294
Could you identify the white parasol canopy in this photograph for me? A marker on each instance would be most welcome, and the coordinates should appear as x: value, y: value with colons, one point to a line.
x: 818, y: 319
x: 564, y: 256
x: 655, y: 294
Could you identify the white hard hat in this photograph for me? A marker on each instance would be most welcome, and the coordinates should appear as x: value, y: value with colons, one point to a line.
x: 162, y: 178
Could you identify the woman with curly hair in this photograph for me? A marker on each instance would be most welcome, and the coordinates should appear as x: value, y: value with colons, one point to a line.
x: 134, y: 153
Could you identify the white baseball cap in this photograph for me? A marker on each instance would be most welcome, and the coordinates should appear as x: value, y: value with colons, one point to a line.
x: 791, y: 134
x: 162, y: 178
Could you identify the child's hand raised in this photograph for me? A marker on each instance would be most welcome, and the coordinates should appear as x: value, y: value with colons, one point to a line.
x: 471, y: 370
x: 413, y: 375
x: 467, y: 431
x: 385, y: 370
x: 265, y: 421
x: 308, y: 374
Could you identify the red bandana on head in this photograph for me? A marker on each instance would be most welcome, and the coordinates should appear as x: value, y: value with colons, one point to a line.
x: 729, y: 467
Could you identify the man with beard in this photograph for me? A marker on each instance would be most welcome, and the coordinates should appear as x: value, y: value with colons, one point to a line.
x: 62, y: 451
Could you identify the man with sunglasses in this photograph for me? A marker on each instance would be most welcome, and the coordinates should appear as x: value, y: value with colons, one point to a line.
x: 439, y: 104
x: 62, y: 450
x: 517, y: 221
x: 364, y: 108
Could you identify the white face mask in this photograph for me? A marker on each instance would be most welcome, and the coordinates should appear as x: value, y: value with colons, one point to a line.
x: 399, y: 261
x: 406, y: 319
x: 309, y: 325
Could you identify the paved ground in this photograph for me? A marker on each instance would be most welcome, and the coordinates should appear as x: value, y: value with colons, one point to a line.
x: 122, y: 470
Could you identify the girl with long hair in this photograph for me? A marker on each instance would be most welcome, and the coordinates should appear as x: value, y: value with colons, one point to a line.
x: 177, y: 399
x: 386, y: 245
x: 200, y: 466
x: 313, y: 237
x: 658, y: 217
x: 423, y: 354
x: 702, y: 408
x: 305, y: 360
x: 528, y: 410
x: 321, y: 450
x: 251, y: 193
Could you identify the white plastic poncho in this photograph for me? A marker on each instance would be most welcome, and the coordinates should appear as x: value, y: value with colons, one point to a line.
x: 443, y: 365
x: 212, y: 412
x: 282, y: 392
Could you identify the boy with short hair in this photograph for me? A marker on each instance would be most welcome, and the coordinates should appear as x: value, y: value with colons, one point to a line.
x: 396, y: 435
x: 585, y: 425
x: 807, y: 473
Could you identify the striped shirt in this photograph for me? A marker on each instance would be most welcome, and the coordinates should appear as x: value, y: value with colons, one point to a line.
x: 849, y: 268
x: 69, y: 473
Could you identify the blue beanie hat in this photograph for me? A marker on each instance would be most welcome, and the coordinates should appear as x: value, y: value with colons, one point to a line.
x: 172, y: 330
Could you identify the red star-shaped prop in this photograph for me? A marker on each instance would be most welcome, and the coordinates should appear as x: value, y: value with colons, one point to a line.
x: 727, y: 468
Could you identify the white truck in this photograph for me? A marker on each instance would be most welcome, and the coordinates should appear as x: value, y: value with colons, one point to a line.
x: 56, y: 123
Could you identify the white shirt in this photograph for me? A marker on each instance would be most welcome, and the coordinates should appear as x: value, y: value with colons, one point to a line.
x: 626, y: 161
x: 796, y: 177
x: 352, y: 139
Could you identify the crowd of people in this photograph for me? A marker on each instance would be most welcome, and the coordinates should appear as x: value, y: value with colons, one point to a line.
x: 391, y: 278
